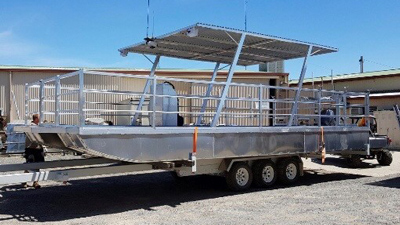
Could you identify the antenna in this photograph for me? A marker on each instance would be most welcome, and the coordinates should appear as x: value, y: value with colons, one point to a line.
x: 152, y: 32
x: 150, y: 42
x: 245, y: 21
x: 245, y: 15
x: 148, y: 18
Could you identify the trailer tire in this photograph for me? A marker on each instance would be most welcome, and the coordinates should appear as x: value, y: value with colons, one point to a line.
x: 288, y: 170
x: 354, y: 161
x: 177, y: 178
x: 239, y: 177
x: 264, y: 172
x: 33, y: 155
x: 385, y: 158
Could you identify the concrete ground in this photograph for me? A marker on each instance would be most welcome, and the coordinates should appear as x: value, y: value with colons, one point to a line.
x: 327, y: 194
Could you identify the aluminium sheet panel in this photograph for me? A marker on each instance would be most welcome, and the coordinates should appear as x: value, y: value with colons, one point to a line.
x: 212, y: 43
x: 141, y: 144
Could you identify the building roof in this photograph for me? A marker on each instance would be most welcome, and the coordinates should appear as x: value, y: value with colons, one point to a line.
x: 210, y: 43
x: 351, y: 76
x: 199, y: 73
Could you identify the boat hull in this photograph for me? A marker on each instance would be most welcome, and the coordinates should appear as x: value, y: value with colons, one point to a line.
x: 146, y: 144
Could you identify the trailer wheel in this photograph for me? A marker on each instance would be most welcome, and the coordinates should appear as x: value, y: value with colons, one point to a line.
x: 354, y: 161
x: 34, y: 155
x: 385, y: 158
x: 239, y: 177
x: 288, y: 171
x: 177, y: 178
x: 264, y: 173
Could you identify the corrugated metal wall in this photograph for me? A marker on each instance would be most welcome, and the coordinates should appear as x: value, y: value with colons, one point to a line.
x: 18, y: 86
x: 378, y: 84
x: 388, y: 125
x: 4, y: 92
x: 382, y: 103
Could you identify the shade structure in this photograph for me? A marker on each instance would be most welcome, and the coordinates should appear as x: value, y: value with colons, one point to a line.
x: 210, y: 43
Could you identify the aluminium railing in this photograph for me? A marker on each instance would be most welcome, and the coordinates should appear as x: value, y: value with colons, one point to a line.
x: 259, y: 105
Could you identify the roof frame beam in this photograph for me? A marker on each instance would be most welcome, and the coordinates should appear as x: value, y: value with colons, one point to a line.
x: 220, y: 41
x: 196, y: 54
x: 217, y: 50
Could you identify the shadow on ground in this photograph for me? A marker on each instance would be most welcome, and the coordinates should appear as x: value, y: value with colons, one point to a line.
x: 91, y: 197
x: 391, y: 183
x: 342, y: 163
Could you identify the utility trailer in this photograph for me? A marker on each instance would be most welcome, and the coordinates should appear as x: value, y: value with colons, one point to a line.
x: 249, y: 133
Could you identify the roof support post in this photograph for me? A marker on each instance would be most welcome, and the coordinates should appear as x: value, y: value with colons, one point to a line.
x: 10, y: 83
x: 338, y: 103
x: 145, y: 90
x: 57, y: 101
x: 345, y: 107
x: 41, y: 101
x: 260, y: 104
x: 26, y: 103
x: 228, y: 81
x: 82, y: 98
x: 300, y: 86
x: 208, y: 93
x: 319, y: 107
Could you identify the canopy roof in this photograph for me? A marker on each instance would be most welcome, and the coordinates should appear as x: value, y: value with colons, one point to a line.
x: 212, y: 43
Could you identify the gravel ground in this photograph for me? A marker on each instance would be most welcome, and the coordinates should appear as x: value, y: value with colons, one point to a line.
x: 327, y: 194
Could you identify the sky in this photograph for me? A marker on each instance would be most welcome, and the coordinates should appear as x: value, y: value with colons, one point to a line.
x: 88, y: 33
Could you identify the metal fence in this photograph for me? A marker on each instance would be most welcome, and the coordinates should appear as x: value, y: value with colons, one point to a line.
x: 68, y: 100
